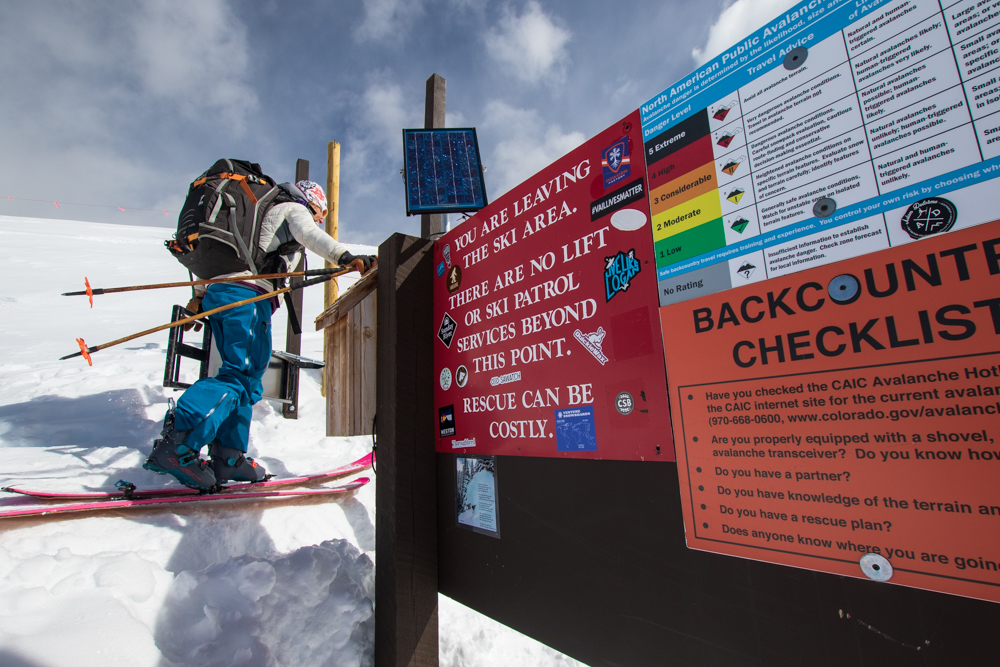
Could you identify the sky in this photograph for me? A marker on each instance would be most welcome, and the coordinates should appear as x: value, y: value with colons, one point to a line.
x: 124, y: 103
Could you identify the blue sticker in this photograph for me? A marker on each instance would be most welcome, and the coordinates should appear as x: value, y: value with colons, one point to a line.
x: 616, y: 162
x: 619, y: 271
x: 575, y: 430
x: 441, y: 269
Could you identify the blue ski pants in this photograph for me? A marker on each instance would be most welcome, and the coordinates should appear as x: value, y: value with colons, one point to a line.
x: 220, y: 408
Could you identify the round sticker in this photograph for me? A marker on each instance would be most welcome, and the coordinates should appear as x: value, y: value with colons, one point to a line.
x: 461, y: 375
x: 796, y: 58
x: 824, y: 207
x: 624, y: 403
x: 454, y: 279
x: 844, y: 289
x: 628, y: 219
x: 876, y: 567
x: 446, y: 378
x: 933, y: 215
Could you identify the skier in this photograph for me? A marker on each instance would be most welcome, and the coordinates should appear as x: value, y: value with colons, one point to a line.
x: 216, y: 411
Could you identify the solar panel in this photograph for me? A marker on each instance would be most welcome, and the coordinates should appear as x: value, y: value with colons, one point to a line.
x: 442, y: 170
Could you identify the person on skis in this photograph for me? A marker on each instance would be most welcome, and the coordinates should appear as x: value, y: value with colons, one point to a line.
x: 216, y: 411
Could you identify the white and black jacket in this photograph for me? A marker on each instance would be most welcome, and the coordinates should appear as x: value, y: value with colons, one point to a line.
x: 284, y: 223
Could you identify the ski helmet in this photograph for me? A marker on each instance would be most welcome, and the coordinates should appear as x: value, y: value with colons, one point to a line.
x: 314, y: 194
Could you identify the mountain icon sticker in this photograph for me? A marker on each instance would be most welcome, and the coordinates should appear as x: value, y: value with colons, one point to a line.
x: 726, y: 137
x: 746, y: 270
x: 719, y: 113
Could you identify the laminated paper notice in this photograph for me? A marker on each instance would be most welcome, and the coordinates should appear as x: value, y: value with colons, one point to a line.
x: 848, y: 410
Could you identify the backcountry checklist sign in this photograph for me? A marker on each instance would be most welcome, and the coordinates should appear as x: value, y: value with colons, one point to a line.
x: 548, y: 341
x: 876, y: 120
x: 848, y: 410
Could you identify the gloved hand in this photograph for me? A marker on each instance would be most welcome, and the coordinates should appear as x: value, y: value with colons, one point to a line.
x: 194, y: 305
x: 361, y: 263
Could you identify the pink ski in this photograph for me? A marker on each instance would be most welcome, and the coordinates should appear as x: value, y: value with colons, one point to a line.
x: 156, y: 502
x: 363, y: 463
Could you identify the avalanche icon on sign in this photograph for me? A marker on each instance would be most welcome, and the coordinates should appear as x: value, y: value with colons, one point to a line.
x: 720, y: 113
x: 746, y: 270
x: 725, y: 138
x: 730, y: 167
x: 735, y: 197
x: 739, y: 225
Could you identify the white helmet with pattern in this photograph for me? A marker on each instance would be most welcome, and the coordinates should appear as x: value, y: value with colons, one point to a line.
x: 314, y: 194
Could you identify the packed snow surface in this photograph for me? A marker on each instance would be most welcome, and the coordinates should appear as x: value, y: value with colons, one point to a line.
x: 249, y: 583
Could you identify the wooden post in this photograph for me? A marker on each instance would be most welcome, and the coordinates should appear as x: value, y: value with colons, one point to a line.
x: 406, y: 620
x: 332, y: 224
x: 433, y: 118
x: 293, y: 341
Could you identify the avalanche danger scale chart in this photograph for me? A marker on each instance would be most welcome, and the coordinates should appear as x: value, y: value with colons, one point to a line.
x: 839, y: 129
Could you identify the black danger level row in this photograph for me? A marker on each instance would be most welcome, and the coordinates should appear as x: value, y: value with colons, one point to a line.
x: 905, y: 94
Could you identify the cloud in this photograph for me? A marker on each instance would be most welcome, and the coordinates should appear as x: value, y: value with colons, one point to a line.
x: 373, y: 153
x: 386, y: 18
x: 736, y: 21
x: 112, y: 108
x: 192, y: 54
x: 385, y: 114
x: 532, y: 47
x: 455, y: 119
x: 523, y: 143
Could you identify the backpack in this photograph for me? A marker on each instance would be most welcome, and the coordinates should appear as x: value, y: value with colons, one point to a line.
x: 219, y: 226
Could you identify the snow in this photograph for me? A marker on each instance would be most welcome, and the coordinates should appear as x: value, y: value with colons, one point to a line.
x: 251, y: 583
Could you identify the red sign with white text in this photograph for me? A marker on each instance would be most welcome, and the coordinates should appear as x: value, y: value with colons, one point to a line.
x: 547, y: 336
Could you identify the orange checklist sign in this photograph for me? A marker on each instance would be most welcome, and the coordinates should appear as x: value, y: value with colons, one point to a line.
x: 848, y: 410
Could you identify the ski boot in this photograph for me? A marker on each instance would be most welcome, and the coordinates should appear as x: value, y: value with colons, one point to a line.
x: 170, y: 456
x: 233, y: 464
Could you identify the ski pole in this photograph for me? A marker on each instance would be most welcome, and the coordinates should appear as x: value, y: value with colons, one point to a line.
x: 91, y: 291
x: 85, y: 351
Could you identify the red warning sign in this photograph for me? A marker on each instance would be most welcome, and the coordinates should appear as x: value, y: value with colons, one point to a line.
x: 548, y: 343
x: 849, y: 412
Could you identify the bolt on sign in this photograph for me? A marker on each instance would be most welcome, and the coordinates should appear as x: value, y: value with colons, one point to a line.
x: 875, y: 120
x: 849, y: 411
x: 548, y: 342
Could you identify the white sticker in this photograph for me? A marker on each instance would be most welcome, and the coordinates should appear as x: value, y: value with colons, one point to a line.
x: 446, y: 378
x: 628, y: 219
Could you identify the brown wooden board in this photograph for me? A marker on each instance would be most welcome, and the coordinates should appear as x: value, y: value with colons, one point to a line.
x: 406, y: 623
x: 592, y: 562
x: 350, y: 343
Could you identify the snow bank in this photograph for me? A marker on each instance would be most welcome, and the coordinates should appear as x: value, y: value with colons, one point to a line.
x: 310, y: 607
